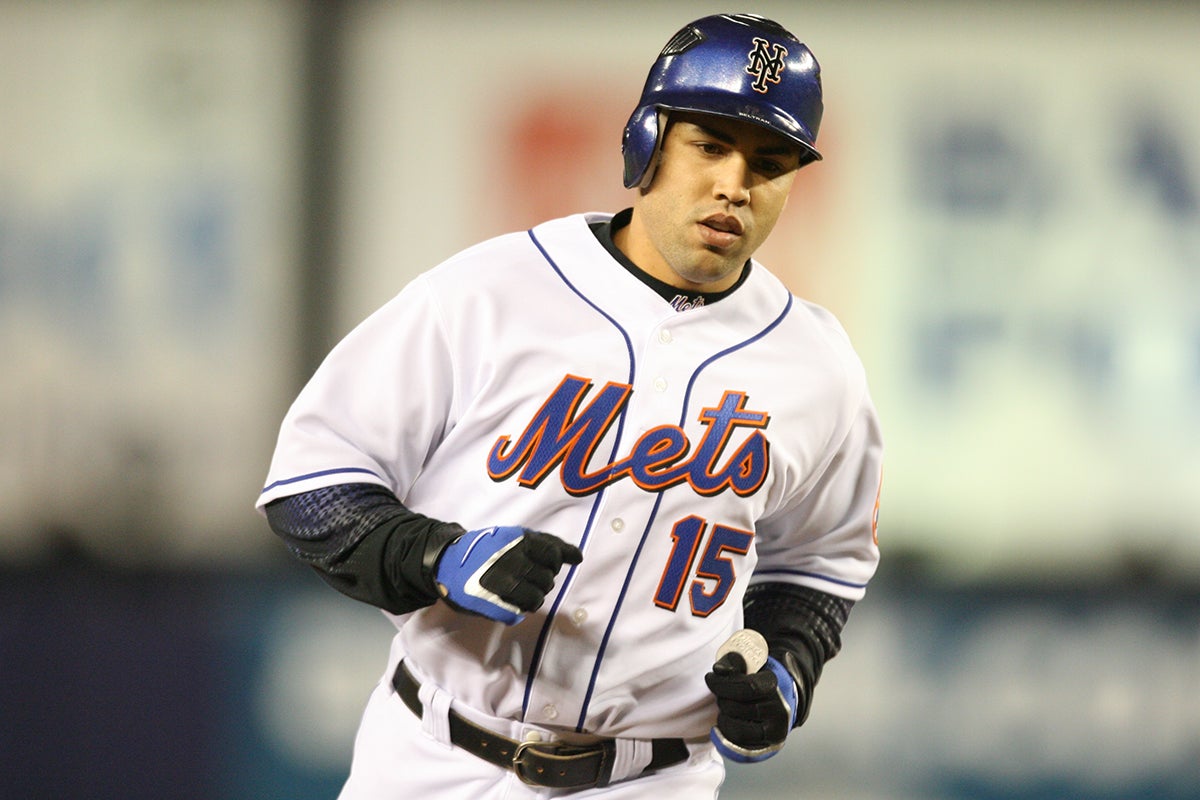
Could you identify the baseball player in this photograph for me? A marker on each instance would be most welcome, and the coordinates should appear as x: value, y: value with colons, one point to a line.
x: 570, y: 462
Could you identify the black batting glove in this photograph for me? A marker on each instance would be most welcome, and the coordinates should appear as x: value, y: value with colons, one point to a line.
x: 502, y: 573
x: 755, y: 712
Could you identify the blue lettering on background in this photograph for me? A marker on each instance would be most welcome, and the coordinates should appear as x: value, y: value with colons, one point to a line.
x: 945, y: 344
x: 1157, y: 162
x: 991, y: 202
x: 67, y: 264
x: 970, y: 166
x: 60, y: 264
x: 198, y: 230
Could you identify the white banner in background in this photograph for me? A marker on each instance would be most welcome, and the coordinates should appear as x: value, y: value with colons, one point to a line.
x: 147, y: 230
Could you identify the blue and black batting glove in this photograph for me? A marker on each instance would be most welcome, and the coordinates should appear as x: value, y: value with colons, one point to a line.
x: 755, y: 712
x: 502, y: 573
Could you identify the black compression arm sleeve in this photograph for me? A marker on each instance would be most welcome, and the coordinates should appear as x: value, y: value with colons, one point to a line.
x: 365, y: 543
x: 803, y: 630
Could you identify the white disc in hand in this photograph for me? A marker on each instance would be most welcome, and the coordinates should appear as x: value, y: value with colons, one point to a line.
x: 750, y: 644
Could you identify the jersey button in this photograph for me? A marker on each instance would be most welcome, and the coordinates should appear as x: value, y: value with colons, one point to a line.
x: 664, y: 336
x: 549, y: 711
x: 579, y: 616
x: 617, y: 524
x: 660, y: 384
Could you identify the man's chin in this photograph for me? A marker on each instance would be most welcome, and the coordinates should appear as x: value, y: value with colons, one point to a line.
x: 711, y: 277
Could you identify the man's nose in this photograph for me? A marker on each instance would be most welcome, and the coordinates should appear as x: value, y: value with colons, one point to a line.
x: 732, y: 183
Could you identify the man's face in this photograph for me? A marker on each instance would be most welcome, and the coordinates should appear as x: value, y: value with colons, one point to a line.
x: 720, y: 187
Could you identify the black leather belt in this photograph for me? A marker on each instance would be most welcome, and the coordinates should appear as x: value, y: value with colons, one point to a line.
x: 554, y: 765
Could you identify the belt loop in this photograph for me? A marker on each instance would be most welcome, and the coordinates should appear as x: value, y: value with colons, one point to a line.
x: 631, y: 758
x: 435, y: 719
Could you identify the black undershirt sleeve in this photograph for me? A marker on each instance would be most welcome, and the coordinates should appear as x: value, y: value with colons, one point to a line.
x: 365, y: 543
x: 803, y: 630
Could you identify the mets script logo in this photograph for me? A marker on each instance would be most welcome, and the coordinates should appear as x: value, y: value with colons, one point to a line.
x: 766, y: 64
x: 564, y: 436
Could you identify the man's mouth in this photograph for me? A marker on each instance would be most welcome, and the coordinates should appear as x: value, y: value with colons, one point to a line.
x: 724, y: 224
x: 720, y: 230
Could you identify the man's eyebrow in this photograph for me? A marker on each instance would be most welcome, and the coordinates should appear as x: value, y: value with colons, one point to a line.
x: 777, y: 150
x: 720, y: 136
x: 782, y: 149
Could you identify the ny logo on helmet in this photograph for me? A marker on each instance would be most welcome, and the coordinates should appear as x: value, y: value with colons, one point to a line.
x: 766, y: 64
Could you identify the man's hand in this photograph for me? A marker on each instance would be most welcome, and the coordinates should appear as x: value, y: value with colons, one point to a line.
x: 755, y: 711
x: 502, y: 573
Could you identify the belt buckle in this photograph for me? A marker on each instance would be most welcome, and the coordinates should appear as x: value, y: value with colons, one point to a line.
x: 518, y: 759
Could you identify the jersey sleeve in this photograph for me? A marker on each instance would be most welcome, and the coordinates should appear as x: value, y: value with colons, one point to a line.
x: 826, y: 539
x: 373, y: 410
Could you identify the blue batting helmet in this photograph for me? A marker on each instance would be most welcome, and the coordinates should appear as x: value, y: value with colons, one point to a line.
x: 733, y: 65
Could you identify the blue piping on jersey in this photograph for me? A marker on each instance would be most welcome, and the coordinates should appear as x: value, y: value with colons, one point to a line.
x: 321, y: 474
x: 687, y: 396
x: 816, y: 575
x: 536, y: 656
x: 587, y: 698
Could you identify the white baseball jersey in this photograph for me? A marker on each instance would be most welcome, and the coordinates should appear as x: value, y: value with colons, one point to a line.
x: 531, y: 380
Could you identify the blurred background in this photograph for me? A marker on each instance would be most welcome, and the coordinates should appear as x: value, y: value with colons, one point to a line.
x: 199, y: 198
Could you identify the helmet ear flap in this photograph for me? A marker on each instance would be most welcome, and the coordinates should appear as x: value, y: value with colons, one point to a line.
x: 641, y: 145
